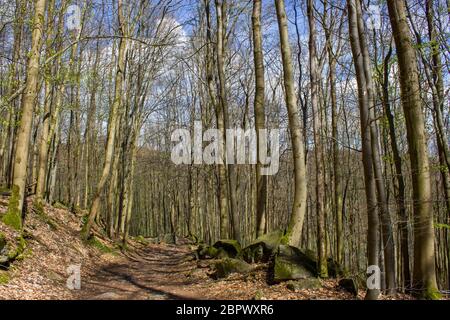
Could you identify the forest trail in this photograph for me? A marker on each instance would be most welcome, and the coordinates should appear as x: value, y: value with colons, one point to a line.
x: 148, y: 270
x: 150, y: 273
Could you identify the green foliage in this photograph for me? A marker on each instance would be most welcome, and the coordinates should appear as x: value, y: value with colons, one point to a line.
x: 13, y: 216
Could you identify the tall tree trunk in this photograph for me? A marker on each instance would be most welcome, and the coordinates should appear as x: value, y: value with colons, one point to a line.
x: 318, y: 145
x: 369, y: 180
x: 13, y: 216
x: 48, y: 103
x: 337, y: 189
x: 112, y: 123
x: 223, y: 119
x: 438, y: 105
x: 260, y: 117
x: 400, y: 194
x: 294, y: 232
x: 424, y: 276
x: 9, y: 142
x: 386, y: 225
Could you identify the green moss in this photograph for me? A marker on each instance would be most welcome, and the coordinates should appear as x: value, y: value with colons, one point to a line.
x: 283, y: 270
x: 229, y: 248
x: 292, y: 264
x: 302, y: 284
x: 205, y: 252
x: 264, y: 247
x: 227, y: 266
x: 5, y: 190
x: 94, y: 242
x: 431, y: 293
x: 323, y: 271
x: 142, y: 240
x: 25, y: 254
x: 38, y: 208
x: 2, y: 241
x: 59, y: 205
x: 77, y: 210
x: 18, y: 250
x: 13, y: 216
x: 4, y: 277
x: 258, y: 295
x: 285, y: 238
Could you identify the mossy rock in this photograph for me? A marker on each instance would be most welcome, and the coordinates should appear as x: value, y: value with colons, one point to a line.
x: 292, y: 264
x: 227, y: 266
x: 228, y: 248
x: 4, y: 261
x: 18, y: 249
x: 302, y: 284
x: 205, y: 251
x: 335, y: 269
x: 263, y: 248
x: 14, y: 251
x: 350, y: 285
x: 4, y: 277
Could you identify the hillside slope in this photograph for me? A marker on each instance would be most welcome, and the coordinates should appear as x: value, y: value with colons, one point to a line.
x: 50, y: 245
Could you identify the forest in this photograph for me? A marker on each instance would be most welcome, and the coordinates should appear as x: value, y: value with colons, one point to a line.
x: 277, y: 149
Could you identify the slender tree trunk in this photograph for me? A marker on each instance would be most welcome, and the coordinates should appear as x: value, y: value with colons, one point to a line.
x: 260, y: 118
x: 318, y: 145
x: 387, y: 234
x: 120, y: 75
x: 369, y: 180
x: 337, y: 189
x: 294, y: 232
x: 400, y: 194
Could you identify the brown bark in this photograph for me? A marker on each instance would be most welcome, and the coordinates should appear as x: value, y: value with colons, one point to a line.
x: 424, y: 276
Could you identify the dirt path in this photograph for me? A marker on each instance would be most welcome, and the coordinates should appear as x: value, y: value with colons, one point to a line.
x: 165, y: 272
x: 154, y: 272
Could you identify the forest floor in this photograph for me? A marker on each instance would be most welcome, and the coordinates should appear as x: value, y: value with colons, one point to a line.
x: 156, y: 271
